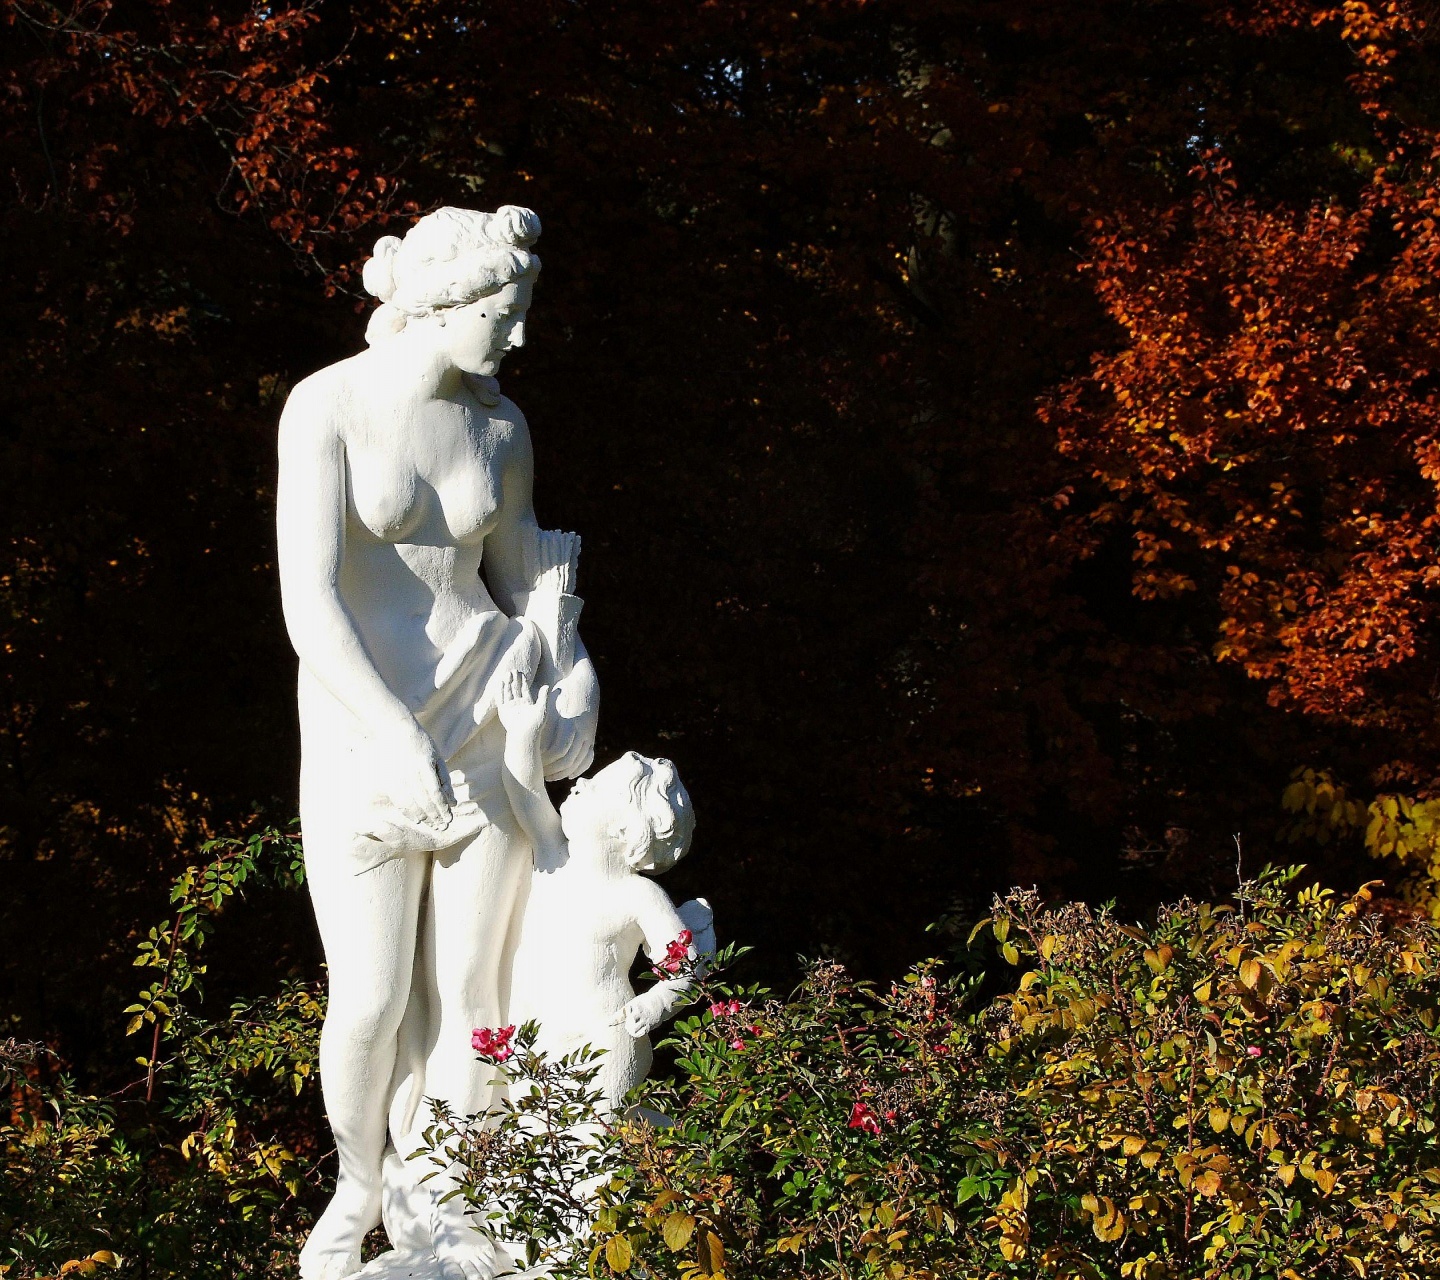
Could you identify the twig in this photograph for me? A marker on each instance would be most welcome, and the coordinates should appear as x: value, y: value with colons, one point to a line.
x: 164, y: 986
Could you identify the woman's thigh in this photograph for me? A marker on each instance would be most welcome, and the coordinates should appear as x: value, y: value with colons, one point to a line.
x: 368, y: 925
x: 473, y: 894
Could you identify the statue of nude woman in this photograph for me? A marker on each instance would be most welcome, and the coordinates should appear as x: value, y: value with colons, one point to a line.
x: 406, y: 539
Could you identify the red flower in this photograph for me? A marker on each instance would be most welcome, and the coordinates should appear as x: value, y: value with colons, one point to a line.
x: 493, y: 1042
x: 861, y: 1117
x: 676, y: 953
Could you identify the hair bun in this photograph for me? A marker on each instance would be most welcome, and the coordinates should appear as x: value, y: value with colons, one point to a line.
x: 385, y: 322
x: 378, y: 274
x: 511, y: 224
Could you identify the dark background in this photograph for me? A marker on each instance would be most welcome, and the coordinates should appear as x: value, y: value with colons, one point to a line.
x: 808, y: 270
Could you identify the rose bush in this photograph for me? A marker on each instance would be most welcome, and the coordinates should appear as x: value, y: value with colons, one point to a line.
x: 1233, y: 1092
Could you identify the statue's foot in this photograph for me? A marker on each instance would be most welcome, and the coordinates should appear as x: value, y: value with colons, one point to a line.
x: 333, y: 1250
x: 463, y: 1253
x: 322, y: 1264
x: 398, y: 1264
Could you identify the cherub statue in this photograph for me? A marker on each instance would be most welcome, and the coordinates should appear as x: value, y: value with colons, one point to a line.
x: 592, y: 905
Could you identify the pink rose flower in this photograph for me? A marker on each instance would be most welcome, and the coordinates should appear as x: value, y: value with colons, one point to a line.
x: 493, y: 1042
x: 676, y: 953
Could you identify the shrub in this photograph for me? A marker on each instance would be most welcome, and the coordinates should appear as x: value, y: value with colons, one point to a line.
x: 1233, y: 1092
x: 191, y: 1170
x: 1230, y: 1093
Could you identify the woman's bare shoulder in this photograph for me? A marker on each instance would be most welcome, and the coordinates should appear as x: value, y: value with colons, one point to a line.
x: 321, y: 401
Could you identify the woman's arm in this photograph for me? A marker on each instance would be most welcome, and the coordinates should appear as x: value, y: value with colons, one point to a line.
x: 569, y: 743
x: 310, y: 529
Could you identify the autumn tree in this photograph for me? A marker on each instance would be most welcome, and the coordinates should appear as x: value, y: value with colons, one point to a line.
x: 1267, y: 430
x: 810, y: 270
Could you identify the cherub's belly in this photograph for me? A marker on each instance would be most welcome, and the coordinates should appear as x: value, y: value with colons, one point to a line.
x: 569, y: 993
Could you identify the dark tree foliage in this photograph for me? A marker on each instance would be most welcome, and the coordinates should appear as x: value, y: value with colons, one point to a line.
x: 811, y: 270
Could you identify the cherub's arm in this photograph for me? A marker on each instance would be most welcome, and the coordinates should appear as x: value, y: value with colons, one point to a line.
x: 522, y: 712
x: 661, y: 924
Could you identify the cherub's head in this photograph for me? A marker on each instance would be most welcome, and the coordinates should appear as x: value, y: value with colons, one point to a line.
x: 635, y: 803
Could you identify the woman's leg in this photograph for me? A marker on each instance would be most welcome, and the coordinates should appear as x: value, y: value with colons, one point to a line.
x: 368, y: 924
x: 472, y: 897
x: 468, y: 915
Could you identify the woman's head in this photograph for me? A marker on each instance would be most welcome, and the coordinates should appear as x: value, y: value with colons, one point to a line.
x: 450, y: 258
x: 638, y: 800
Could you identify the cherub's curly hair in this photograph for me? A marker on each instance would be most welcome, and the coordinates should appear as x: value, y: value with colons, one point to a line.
x: 666, y: 819
x: 448, y: 258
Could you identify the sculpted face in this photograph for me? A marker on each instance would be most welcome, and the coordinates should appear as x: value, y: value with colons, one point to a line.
x: 478, y: 335
x: 594, y: 811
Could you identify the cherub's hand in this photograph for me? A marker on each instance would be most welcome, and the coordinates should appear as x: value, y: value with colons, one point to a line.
x: 644, y: 1013
x: 520, y: 706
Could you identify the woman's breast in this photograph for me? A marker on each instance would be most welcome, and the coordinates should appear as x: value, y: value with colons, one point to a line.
x: 397, y: 503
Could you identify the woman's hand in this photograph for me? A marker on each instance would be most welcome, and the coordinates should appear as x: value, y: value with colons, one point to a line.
x: 417, y: 782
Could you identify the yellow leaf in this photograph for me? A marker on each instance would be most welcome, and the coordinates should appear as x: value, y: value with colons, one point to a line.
x: 1219, y: 1119
x: 1109, y: 1223
x: 1250, y: 973
x: 617, y: 1253
x: 711, y: 1254
x: 678, y: 1229
x: 1356, y: 1263
x: 1286, y: 1173
x: 1325, y: 1180
x: 1132, y: 1145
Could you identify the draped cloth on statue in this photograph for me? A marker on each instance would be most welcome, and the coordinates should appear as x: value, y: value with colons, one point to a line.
x: 487, y: 647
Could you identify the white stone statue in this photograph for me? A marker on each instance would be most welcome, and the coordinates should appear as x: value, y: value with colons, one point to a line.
x: 592, y: 905
x: 425, y: 603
